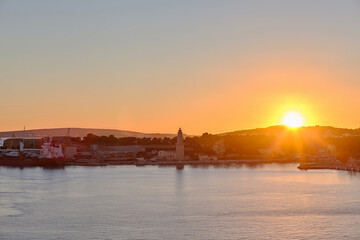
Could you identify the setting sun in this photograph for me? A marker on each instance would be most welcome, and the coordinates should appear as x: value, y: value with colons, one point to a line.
x: 293, y: 119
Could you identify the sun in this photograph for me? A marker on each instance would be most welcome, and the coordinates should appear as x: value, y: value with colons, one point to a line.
x: 293, y: 120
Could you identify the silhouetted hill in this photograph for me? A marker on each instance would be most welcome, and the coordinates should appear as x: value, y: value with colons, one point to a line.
x: 274, y: 130
x: 80, y: 132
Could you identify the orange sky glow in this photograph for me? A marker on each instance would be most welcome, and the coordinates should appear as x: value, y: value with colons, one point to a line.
x: 206, y: 68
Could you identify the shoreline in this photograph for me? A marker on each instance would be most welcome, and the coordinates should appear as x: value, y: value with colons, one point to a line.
x: 24, y: 164
x: 340, y: 167
x: 181, y: 164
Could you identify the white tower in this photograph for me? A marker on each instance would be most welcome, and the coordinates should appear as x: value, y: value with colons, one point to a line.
x: 180, y: 148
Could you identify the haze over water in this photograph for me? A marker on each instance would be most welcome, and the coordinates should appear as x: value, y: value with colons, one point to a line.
x: 127, y: 202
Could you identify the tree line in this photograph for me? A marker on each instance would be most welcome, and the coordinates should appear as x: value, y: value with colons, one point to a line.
x: 243, y: 145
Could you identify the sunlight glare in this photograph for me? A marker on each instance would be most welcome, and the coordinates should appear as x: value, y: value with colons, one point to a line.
x: 293, y: 120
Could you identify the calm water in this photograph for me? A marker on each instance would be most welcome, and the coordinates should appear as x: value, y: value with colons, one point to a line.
x: 126, y: 202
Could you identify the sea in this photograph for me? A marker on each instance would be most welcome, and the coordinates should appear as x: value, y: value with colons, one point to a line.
x: 271, y: 201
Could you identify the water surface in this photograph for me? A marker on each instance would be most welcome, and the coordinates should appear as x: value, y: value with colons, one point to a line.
x: 127, y: 202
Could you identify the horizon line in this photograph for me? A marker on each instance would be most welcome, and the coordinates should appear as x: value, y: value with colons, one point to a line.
x: 151, y: 133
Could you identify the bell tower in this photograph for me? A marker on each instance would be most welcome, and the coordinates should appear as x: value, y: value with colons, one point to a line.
x: 180, y: 148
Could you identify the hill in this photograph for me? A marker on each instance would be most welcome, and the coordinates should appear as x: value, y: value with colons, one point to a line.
x: 81, y: 132
x: 280, y: 129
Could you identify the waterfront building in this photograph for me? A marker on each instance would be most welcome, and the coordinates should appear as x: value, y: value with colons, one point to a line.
x: 206, y: 158
x: 170, y: 155
x: 131, y: 149
x: 2, y: 140
x: 180, y: 148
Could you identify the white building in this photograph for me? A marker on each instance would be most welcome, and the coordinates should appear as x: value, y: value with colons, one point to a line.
x: 166, y: 155
x: 2, y: 140
x: 50, y: 151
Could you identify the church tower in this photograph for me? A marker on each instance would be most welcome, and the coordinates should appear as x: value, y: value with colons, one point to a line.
x: 180, y: 148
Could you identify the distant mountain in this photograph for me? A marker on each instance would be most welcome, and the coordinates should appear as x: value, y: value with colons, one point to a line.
x: 80, y: 132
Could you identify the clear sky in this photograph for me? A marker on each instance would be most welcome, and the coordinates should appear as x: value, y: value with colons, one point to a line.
x: 153, y: 66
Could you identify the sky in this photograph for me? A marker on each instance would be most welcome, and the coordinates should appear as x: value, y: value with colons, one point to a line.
x: 155, y: 66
